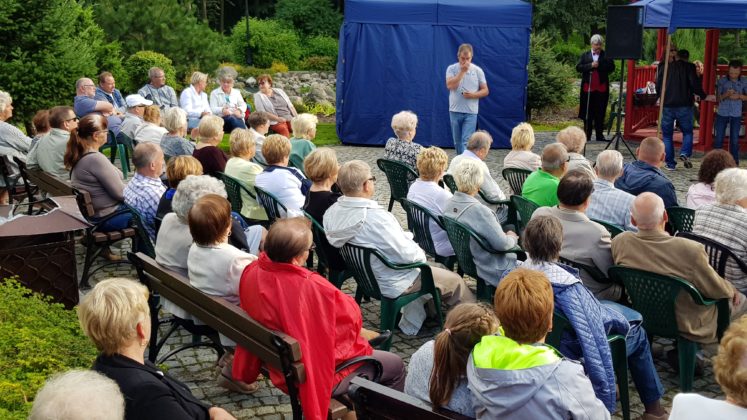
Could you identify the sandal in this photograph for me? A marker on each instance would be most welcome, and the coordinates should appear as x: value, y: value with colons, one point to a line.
x: 107, y: 254
x: 225, y: 380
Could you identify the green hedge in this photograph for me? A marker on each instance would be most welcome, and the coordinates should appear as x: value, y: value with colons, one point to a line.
x: 271, y: 41
x: 138, y: 64
x: 37, y: 339
x: 310, y: 17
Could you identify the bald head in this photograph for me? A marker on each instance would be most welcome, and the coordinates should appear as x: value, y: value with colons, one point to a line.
x: 85, y: 86
x: 554, y: 159
x: 648, y: 212
x: 288, y: 239
x: 651, y: 151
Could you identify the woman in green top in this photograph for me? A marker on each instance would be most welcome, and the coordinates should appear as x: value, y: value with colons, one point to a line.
x: 304, y: 131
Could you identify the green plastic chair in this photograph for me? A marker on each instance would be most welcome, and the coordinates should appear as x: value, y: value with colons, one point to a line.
x: 399, y: 176
x: 525, y: 208
x: 419, y: 218
x: 612, y: 228
x: 449, y: 181
x: 654, y: 295
x: 358, y: 260
x: 515, y: 178
x: 114, y: 149
x: 681, y: 219
x: 271, y: 204
x: 593, y: 271
x: 718, y: 254
x: 460, y: 236
x: 560, y: 325
x: 335, y: 277
x: 451, y: 184
x: 235, y: 188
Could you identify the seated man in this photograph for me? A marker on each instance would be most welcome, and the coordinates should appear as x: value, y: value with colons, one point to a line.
x: 259, y: 125
x: 49, y: 152
x: 608, y: 203
x: 145, y: 189
x: 359, y: 220
x: 478, y: 148
x: 85, y: 103
x: 515, y: 375
x: 106, y: 91
x: 158, y: 91
x: 541, y: 186
x: 644, y: 174
x: 584, y: 241
x: 133, y: 119
x: 592, y: 320
x: 652, y: 249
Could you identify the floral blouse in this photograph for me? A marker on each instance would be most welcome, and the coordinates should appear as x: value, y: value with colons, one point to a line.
x: 403, y: 151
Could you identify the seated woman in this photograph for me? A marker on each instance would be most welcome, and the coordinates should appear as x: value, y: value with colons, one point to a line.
x: 276, y: 104
x: 173, y: 143
x: 282, y: 295
x: 730, y: 370
x: 207, y: 152
x: 287, y: 184
x: 401, y: 147
x: 116, y: 317
x: 445, y: 384
x: 151, y: 131
x: 464, y: 207
x: 91, y: 171
x: 41, y: 125
x: 515, y: 375
x: 304, y: 131
x: 425, y: 191
x: 241, y: 167
x: 521, y: 155
x: 13, y: 143
x: 194, y: 101
x: 321, y: 167
x: 227, y: 102
x: 178, y: 168
x: 702, y: 193
x: 592, y: 321
x: 574, y: 140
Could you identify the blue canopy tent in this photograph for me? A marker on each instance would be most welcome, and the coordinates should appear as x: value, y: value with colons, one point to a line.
x: 393, y: 57
x: 681, y: 14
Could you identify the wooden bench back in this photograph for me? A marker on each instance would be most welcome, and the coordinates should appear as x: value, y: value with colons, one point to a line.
x: 52, y: 185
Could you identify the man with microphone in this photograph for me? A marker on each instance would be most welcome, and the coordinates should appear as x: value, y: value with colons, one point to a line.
x: 595, y: 68
x: 466, y: 84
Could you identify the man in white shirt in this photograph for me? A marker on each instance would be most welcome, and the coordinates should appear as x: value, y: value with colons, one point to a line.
x: 466, y: 83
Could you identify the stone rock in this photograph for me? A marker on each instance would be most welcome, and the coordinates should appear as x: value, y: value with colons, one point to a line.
x: 306, y: 77
x: 251, y: 81
x: 295, y: 100
x: 329, y: 91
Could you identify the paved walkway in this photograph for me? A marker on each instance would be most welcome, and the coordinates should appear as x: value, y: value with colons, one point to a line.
x: 196, y: 367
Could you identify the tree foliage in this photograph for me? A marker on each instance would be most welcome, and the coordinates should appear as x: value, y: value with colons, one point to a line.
x: 564, y: 17
x: 549, y: 80
x: 138, y: 64
x: 310, y: 17
x: 270, y: 41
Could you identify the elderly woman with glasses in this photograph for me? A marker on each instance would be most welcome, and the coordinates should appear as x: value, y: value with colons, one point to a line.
x: 276, y: 104
x: 13, y: 143
x: 227, y: 102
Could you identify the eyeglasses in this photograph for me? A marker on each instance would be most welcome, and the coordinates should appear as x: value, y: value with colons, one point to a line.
x: 89, y: 86
x: 373, y: 178
x: 264, y: 82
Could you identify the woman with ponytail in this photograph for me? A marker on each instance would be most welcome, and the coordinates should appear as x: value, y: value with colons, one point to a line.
x: 437, y: 371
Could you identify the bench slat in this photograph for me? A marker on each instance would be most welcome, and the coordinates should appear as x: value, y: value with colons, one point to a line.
x: 52, y: 185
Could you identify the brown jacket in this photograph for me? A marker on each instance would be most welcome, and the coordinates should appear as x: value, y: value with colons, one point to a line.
x: 660, y: 253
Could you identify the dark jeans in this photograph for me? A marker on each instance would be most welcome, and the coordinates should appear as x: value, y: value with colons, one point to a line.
x: 683, y: 114
x: 115, y: 223
x: 230, y: 123
x: 734, y: 126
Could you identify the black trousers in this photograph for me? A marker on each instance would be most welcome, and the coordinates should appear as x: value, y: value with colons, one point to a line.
x: 595, y: 118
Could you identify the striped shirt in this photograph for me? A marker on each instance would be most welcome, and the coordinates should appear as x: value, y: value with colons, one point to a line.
x: 610, y: 205
x: 726, y: 224
x: 143, y: 194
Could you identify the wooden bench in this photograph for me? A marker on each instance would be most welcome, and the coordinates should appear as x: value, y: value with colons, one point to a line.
x: 276, y: 350
x: 377, y: 402
x: 50, y: 184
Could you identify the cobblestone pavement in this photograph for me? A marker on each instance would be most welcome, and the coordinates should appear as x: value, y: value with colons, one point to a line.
x: 196, y: 366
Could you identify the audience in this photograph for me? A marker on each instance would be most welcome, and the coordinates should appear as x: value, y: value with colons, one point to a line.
x: 177, y: 169
x: 401, y: 147
x: 133, y: 119
x: 608, y: 203
x: 514, y: 374
x: 194, y: 100
x: 84, y: 104
x: 227, y: 102
x: 304, y: 131
x: 644, y: 175
x: 478, y: 147
x: 425, y: 191
x: 115, y: 315
x: 207, y: 152
x: 275, y: 103
x: 259, y: 124
x: 730, y: 370
x: 78, y: 395
x: 107, y: 91
x: 158, y: 91
x: 521, y: 155
x: 150, y: 131
x: 49, y: 152
x: 574, y: 140
x: 359, y: 220
x: 702, y: 193
x: 584, y: 241
x: 592, y: 320
x: 725, y: 221
x: 40, y: 122
x: 241, y: 167
x: 13, y: 143
x: 437, y: 372
x: 541, y: 186
x: 173, y: 143
x: 282, y: 295
x: 287, y: 184
x: 144, y: 191
x: 464, y: 207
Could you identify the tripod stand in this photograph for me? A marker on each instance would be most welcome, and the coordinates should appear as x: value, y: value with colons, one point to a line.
x: 619, y: 112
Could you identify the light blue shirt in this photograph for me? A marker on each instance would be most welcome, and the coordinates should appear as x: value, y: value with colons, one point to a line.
x: 470, y: 83
x: 731, y: 107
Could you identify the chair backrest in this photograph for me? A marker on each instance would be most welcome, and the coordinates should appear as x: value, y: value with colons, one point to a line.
x: 560, y: 325
x: 50, y: 184
x: 681, y: 219
x: 399, y: 176
x: 234, y: 187
x: 358, y: 260
x: 612, y: 228
x: 591, y: 270
x: 144, y: 243
x: 718, y: 254
x: 23, y: 172
x: 449, y: 181
x: 317, y: 231
x: 85, y: 204
x: 419, y: 218
x: 524, y: 207
x: 515, y: 178
x: 459, y: 236
x: 271, y: 204
x: 8, y: 179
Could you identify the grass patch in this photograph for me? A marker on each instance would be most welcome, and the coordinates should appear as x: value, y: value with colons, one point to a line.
x: 547, y: 126
x: 326, y: 135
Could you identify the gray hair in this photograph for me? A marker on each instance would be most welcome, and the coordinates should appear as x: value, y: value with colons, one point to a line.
x: 198, y: 77
x: 648, y: 210
x: 192, y: 189
x: 5, y: 100
x: 479, y: 140
x: 145, y: 153
x: 79, y: 83
x: 731, y: 185
x: 153, y: 71
x: 609, y: 164
x: 597, y: 39
x: 227, y: 73
x: 302, y: 124
x: 554, y: 155
x: 573, y: 138
x: 352, y: 175
x: 404, y: 122
x: 174, y: 119
x: 468, y: 176
x: 78, y: 395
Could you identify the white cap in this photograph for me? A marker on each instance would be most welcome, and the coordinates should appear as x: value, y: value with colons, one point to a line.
x: 136, y: 100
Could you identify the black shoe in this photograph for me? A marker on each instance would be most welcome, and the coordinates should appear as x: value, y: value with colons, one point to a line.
x: 380, y: 339
x: 673, y: 358
x: 686, y: 161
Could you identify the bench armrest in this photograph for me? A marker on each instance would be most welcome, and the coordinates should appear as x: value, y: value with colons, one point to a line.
x: 363, y: 360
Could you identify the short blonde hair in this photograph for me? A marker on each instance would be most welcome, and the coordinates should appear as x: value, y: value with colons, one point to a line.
x: 431, y: 163
x: 179, y: 167
x: 404, y: 122
x: 79, y: 395
x: 5, y: 100
x: 522, y: 137
x: 321, y: 164
x: 573, y: 138
x: 198, y: 77
x: 302, y: 124
x: 468, y: 176
x: 242, y: 143
x: 109, y: 314
x: 353, y: 174
x: 276, y: 148
x: 730, y: 364
x: 210, y: 127
x: 731, y: 185
x: 175, y: 120
x: 152, y: 114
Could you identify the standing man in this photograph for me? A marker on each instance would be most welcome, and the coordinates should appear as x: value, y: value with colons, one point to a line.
x: 158, y: 91
x: 466, y: 84
x: 595, y: 68
x: 107, y: 91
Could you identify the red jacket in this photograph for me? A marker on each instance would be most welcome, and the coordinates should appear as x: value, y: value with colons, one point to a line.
x: 301, y: 303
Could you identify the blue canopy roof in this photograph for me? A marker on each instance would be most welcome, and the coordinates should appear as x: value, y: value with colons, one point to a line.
x: 503, y: 13
x: 707, y: 14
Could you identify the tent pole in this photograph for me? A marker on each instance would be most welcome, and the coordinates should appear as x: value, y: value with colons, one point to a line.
x: 664, y: 84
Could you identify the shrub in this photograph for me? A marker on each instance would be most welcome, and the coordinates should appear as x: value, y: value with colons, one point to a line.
x: 110, y: 59
x: 278, y: 67
x: 316, y: 63
x: 138, y: 64
x: 310, y: 17
x: 37, y: 339
x: 549, y: 80
x: 322, y: 46
x: 270, y: 41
